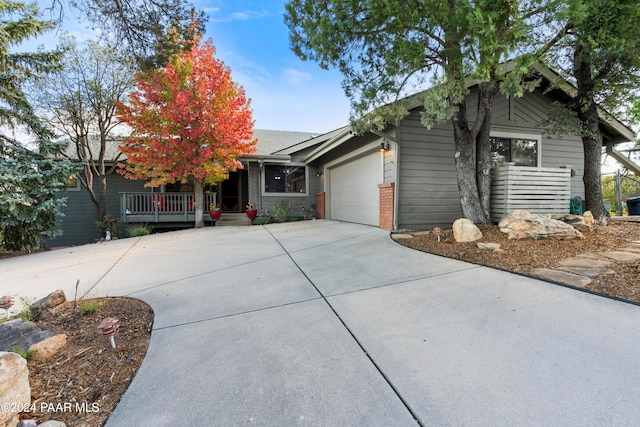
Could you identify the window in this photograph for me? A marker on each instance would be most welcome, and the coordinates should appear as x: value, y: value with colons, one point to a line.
x: 285, y: 179
x: 73, y: 184
x: 521, y: 151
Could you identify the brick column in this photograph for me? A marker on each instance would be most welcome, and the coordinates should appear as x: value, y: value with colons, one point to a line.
x: 320, y: 205
x: 386, y: 205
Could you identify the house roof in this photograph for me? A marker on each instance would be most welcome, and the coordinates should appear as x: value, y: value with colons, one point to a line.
x: 618, y: 131
x: 269, y: 142
x: 273, y: 141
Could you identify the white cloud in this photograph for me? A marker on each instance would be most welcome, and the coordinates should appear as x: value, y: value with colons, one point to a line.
x: 296, y: 77
x: 238, y: 16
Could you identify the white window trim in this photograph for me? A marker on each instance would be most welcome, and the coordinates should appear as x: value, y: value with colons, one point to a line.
x: 270, y: 194
x: 516, y: 135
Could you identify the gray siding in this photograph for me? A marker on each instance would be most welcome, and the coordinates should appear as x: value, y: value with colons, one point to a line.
x: 79, y: 223
x: 301, y: 204
x: 427, y: 183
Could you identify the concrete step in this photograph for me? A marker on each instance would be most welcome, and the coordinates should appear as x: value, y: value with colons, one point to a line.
x: 233, y: 219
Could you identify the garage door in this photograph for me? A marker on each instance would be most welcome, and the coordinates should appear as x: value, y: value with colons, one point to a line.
x: 354, y: 194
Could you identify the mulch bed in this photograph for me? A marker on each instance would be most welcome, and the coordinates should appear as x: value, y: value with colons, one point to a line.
x: 81, y: 384
x: 524, y: 256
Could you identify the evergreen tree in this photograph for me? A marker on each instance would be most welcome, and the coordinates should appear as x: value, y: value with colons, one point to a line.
x: 29, y: 177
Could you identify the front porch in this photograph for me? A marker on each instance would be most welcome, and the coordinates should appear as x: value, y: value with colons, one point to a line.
x: 150, y: 207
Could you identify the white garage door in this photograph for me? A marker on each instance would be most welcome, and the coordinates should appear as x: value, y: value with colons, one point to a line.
x: 354, y: 194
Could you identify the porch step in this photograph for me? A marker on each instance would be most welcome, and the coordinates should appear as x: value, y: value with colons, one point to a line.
x: 233, y: 219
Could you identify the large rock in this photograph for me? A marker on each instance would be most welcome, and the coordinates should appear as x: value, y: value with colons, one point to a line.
x: 47, y: 348
x: 17, y: 333
x: 52, y: 423
x: 521, y: 224
x: 50, y: 305
x: 14, y: 387
x: 577, y: 221
x: 466, y: 231
x: 52, y: 300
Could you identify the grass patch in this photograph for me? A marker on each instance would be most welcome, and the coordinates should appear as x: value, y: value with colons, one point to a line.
x: 90, y: 306
x: 135, y: 230
x: 26, y: 354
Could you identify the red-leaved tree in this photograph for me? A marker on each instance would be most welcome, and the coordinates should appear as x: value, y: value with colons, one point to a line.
x: 190, y: 121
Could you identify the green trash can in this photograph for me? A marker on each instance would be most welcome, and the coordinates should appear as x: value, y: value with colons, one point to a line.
x: 633, y: 205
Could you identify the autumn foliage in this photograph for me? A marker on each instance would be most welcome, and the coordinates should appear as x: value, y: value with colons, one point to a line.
x: 190, y: 121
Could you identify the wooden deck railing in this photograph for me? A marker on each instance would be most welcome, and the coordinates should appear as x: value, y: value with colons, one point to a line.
x: 161, y: 207
x: 537, y: 190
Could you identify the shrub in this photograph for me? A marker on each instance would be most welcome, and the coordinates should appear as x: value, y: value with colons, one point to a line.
x: 90, y: 306
x: 136, y: 230
x: 261, y: 220
x: 281, y: 210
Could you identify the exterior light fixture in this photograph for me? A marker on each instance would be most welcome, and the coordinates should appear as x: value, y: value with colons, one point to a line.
x: 384, y: 146
x: 6, y: 302
x: 108, y: 327
x: 438, y: 232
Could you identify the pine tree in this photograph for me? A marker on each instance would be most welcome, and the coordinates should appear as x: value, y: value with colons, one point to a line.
x: 29, y: 176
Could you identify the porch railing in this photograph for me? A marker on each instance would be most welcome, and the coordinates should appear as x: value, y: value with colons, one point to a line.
x: 537, y: 190
x: 161, y: 207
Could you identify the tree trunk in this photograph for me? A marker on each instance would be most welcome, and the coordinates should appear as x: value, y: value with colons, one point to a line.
x: 591, y: 135
x: 466, y: 170
x: 465, y: 159
x: 486, y: 93
x: 199, y: 195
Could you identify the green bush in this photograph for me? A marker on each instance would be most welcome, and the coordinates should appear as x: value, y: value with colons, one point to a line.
x: 135, y: 230
x: 90, y: 306
x: 281, y: 210
x: 261, y: 220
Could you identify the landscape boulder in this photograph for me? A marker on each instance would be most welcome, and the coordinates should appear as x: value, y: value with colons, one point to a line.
x: 577, y: 221
x: 17, y: 333
x: 466, y: 231
x: 48, y: 347
x: 49, y: 305
x: 14, y: 387
x: 588, y: 217
x: 521, y: 224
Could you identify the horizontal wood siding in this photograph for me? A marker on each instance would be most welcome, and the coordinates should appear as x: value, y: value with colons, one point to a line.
x: 79, y: 223
x: 537, y: 190
x: 427, y: 185
x: 557, y: 152
x: 301, y: 205
x: 427, y: 182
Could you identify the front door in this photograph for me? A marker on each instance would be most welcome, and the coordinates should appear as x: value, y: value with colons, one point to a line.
x: 230, y: 193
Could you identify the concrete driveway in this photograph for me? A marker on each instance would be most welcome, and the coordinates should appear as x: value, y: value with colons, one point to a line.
x: 333, y: 324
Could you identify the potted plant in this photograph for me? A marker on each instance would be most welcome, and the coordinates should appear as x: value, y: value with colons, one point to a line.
x: 214, y: 212
x: 251, y: 210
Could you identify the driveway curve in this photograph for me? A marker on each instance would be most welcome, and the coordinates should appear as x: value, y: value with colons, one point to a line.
x: 333, y: 324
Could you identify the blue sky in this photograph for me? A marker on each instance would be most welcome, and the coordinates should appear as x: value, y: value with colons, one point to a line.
x: 252, y: 40
x: 286, y: 93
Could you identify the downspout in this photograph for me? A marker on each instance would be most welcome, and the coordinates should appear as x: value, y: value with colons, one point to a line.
x: 260, y: 168
x: 396, y: 190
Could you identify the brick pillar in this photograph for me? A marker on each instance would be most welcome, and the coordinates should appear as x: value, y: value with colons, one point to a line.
x: 320, y: 205
x: 386, y: 205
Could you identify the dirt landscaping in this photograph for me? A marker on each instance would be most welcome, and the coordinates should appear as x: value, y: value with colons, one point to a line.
x: 81, y: 384
x: 524, y: 256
